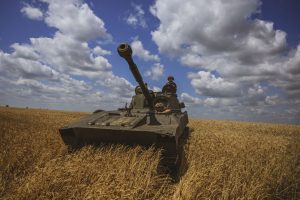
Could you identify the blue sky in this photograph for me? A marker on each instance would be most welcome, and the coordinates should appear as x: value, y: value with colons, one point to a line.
x: 231, y: 59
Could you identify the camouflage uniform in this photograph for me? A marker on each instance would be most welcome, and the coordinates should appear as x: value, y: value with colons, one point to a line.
x: 170, y: 86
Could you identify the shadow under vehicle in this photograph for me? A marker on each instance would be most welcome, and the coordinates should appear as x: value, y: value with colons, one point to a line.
x: 152, y: 118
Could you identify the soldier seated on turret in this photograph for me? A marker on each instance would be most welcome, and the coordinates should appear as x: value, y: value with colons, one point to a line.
x: 138, y: 100
x: 170, y: 86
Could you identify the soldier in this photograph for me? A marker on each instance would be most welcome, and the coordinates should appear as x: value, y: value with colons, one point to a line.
x: 161, y: 107
x: 170, y: 86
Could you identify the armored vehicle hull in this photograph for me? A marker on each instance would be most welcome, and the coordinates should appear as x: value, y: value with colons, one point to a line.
x: 153, y: 118
x: 117, y: 128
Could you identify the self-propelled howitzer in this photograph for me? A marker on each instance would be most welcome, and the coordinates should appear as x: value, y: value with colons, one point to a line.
x: 151, y: 119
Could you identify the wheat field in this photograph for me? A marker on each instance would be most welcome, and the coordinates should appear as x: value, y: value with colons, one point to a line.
x: 224, y: 160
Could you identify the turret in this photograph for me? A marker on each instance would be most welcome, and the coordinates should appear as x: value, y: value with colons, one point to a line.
x: 125, y: 52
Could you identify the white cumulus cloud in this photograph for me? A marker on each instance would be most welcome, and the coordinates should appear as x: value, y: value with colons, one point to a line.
x: 100, y: 52
x: 137, y: 17
x: 190, y: 100
x: 207, y: 84
x: 75, y: 19
x: 155, y: 72
x: 240, y: 59
x: 139, y: 51
x: 32, y: 12
x: 64, y: 71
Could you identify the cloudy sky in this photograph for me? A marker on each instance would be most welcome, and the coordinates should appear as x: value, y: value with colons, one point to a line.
x: 233, y: 59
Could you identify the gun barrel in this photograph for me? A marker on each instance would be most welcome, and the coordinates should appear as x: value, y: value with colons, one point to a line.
x: 125, y: 52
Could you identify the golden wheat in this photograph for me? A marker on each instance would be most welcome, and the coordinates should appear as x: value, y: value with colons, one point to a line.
x: 224, y: 160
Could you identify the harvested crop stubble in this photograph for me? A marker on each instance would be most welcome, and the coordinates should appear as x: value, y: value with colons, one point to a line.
x: 224, y: 159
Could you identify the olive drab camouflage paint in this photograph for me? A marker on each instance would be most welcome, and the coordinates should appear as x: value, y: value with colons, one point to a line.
x: 152, y: 118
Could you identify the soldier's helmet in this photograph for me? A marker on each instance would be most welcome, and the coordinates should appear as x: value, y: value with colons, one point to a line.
x: 138, y: 90
x: 160, y: 107
x: 170, y: 78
